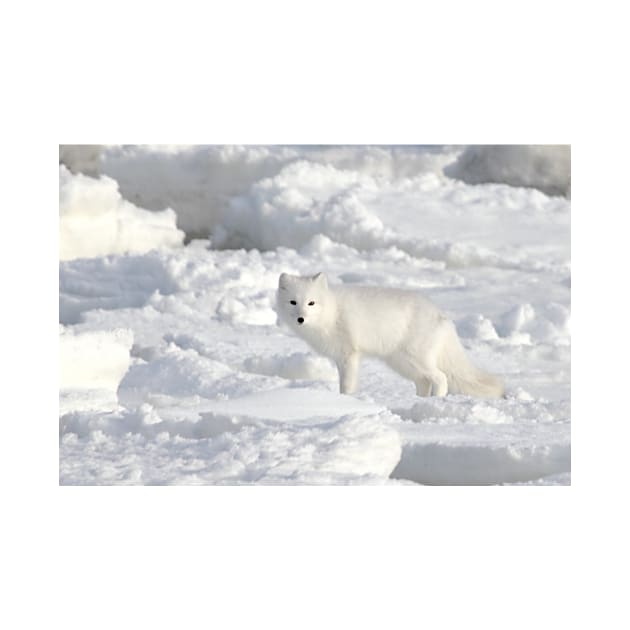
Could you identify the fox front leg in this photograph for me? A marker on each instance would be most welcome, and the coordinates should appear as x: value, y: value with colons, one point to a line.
x: 348, y: 368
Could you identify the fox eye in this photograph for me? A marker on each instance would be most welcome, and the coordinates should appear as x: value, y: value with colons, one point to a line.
x: 311, y: 303
x: 293, y: 302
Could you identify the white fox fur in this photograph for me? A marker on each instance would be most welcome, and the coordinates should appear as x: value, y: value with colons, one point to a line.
x: 403, y: 328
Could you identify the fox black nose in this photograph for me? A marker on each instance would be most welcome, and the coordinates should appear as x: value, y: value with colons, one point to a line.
x: 300, y: 320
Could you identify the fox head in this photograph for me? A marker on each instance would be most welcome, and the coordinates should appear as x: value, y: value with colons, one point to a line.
x: 302, y: 301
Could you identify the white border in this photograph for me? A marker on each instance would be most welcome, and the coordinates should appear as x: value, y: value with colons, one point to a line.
x: 278, y: 72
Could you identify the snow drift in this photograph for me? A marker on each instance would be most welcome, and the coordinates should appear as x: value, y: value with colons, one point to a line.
x: 198, y: 181
x: 203, y: 182
x: 78, y: 367
x: 546, y: 167
x: 94, y: 220
x: 81, y: 158
x: 91, y: 366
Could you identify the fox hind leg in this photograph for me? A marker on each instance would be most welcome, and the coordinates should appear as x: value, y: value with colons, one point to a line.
x: 429, y: 379
x: 439, y: 382
x: 423, y: 386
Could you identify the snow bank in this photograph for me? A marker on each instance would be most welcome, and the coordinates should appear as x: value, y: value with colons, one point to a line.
x: 307, y: 202
x: 91, y: 366
x: 81, y: 158
x: 199, y: 182
x: 367, y: 198
x: 112, y: 283
x: 94, y: 220
x: 173, y: 371
x: 473, y: 458
x: 546, y: 167
x: 461, y: 441
x: 304, y: 200
x: 353, y: 445
x: 93, y: 360
x: 476, y: 326
x: 548, y: 322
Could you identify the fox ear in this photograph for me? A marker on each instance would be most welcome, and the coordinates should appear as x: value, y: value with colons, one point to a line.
x: 284, y: 280
x: 320, y: 279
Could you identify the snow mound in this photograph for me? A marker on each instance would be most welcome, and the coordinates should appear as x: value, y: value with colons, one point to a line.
x: 364, y: 198
x: 462, y: 441
x: 445, y: 461
x: 174, y: 371
x: 354, y: 448
x: 94, y: 220
x: 305, y: 199
x: 112, y: 283
x: 476, y: 326
x: 522, y: 324
x: 546, y: 167
x: 91, y: 366
x: 309, y: 201
x: 81, y: 158
x: 351, y: 449
x: 199, y: 182
x: 215, y: 386
x: 94, y: 360
x: 548, y: 322
x: 195, y: 180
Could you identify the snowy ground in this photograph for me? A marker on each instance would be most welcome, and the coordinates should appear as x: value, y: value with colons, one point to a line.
x: 173, y: 367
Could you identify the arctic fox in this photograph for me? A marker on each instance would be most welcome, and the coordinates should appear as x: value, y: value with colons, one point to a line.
x: 403, y: 328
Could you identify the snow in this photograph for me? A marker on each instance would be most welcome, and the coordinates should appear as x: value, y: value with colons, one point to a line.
x: 176, y: 371
x: 546, y: 167
x: 86, y: 383
x: 94, y: 220
x: 479, y: 443
x: 78, y: 370
x: 217, y: 448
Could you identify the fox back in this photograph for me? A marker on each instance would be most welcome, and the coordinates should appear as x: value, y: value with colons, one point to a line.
x: 371, y: 320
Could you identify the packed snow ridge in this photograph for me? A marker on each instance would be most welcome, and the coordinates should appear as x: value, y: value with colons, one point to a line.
x: 174, y: 369
x: 94, y: 220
